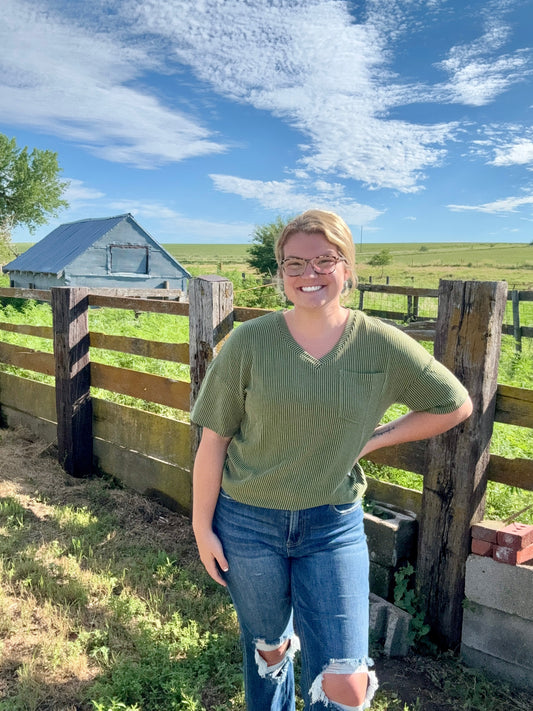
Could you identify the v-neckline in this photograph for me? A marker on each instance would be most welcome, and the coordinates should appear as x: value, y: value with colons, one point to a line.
x: 327, y: 357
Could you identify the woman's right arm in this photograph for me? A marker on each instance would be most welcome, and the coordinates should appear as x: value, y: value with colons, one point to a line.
x: 207, y: 476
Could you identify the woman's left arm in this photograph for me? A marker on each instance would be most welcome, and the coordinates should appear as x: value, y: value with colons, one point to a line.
x: 415, y: 426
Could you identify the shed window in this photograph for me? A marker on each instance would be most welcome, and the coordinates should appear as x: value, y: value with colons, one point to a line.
x: 131, y: 259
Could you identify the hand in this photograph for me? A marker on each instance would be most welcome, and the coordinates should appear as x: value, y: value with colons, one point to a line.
x: 212, y: 554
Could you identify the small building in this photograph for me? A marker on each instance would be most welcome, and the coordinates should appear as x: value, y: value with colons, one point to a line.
x: 111, y: 252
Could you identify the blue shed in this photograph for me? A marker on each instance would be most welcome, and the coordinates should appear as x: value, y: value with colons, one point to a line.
x: 98, y: 253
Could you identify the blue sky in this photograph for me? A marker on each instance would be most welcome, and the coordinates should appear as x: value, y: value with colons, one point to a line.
x: 412, y: 119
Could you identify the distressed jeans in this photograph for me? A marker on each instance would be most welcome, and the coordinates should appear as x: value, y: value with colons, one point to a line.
x: 300, y: 576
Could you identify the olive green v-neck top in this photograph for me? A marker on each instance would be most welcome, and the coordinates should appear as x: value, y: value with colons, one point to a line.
x: 297, y: 422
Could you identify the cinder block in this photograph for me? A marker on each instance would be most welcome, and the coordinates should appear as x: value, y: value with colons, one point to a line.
x: 389, y: 625
x: 493, y: 632
x: 486, y: 530
x: 511, y: 556
x: 516, y: 536
x: 391, y: 535
x: 504, y: 587
x: 480, y: 547
x: 378, y: 617
x: 382, y: 580
x: 504, y: 671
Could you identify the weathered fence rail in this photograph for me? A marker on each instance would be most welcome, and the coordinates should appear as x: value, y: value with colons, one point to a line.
x: 412, y: 306
x: 153, y: 454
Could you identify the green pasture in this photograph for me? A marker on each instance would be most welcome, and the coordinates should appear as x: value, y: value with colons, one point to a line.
x: 515, y: 369
x: 414, y: 264
x: 504, y: 254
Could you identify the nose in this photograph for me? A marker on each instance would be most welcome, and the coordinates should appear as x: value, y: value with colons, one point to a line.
x: 309, y: 271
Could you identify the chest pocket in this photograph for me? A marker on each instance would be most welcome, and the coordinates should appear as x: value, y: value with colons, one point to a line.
x: 360, y: 396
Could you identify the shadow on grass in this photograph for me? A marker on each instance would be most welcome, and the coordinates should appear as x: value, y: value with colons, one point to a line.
x: 153, y: 629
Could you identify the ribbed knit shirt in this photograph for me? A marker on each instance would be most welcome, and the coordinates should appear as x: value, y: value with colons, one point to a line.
x: 298, y: 423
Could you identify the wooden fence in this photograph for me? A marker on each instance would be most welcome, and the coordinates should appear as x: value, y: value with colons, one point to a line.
x: 153, y: 454
x: 411, y: 312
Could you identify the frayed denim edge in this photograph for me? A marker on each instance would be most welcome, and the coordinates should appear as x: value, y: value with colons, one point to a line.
x: 262, y: 667
x: 345, y: 666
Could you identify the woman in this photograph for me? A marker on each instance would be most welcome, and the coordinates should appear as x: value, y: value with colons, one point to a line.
x: 288, y: 407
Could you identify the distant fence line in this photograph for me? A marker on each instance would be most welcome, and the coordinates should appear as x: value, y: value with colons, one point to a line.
x: 153, y: 454
x: 411, y: 313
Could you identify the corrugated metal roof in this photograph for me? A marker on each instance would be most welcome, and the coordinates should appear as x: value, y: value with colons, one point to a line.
x: 55, y: 251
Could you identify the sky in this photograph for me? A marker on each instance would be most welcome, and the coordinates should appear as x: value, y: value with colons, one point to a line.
x: 411, y: 119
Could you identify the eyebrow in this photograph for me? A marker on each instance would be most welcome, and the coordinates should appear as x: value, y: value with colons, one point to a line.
x: 331, y: 253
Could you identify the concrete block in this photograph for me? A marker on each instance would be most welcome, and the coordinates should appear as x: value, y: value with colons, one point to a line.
x: 516, y: 536
x: 486, y: 530
x: 391, y: 535
x: 512, y: 556
x: 382, y: 580
x: 378, y: 617
x: 499, y: 634
x: 389, y: 625
x: 504, y: 587
x: 493, y: 666
x: 480, y: 547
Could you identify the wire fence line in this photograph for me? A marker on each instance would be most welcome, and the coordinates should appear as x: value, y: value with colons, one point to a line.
x: 411, y: 304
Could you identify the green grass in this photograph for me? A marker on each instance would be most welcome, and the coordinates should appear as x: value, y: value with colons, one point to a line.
x: 101, y: 605
x: 105, y: 607
x: 414, y: 263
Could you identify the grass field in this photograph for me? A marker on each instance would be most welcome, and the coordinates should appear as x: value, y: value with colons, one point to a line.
x: 103, y: 603
x: 104, y: 606
x: 425, y: 263
x: 229, y: 260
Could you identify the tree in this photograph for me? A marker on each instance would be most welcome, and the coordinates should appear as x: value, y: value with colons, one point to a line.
x: 30, y: 188
x: 381, y: 259
x: 261, y: 252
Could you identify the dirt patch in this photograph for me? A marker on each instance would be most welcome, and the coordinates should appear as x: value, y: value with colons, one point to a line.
x: 29, y: 471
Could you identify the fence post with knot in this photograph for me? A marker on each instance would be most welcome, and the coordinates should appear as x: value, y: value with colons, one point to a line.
x: 210, y: 322
x: 72, y: 379
x: 467, y: 341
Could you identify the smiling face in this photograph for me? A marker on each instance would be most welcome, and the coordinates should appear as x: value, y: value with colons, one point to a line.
x: 312, y: 290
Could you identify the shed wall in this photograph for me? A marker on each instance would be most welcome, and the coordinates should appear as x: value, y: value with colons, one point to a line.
x: 125, y: 257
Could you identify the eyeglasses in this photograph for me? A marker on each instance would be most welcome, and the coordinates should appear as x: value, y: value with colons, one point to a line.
x: 324, y: 264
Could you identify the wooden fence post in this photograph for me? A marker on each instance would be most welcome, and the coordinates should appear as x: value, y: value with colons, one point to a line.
x: 73, y: 379
x: 210, y: 322
x: 517, y: 331
x: 467, y: 341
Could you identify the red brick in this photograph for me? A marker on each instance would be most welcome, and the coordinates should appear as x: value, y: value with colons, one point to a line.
x: 516, y: 536
x: 481, y: 547
x: 486, y: 530
x: 507, y: 555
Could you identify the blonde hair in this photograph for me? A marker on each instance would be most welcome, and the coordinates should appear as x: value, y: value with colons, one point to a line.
x: 334, y: 229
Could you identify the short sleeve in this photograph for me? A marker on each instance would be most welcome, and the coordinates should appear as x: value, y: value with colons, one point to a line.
x: 220, y: 402
x: 436, y: 390
x: 422, y: 382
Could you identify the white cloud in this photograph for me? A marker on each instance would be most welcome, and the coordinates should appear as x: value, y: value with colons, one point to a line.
x: 172, y: 226
x: 315, y: 66
x: 77, y: 82
x: 505, y: 205
x: 322, y: 66
x: 518, y: 153
x: 504, y: 145
x: 77, y: 192
x: 478, y: 73
x: 287, y: 198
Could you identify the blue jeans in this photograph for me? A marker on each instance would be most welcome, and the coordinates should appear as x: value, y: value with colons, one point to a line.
x: 302, y: 573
